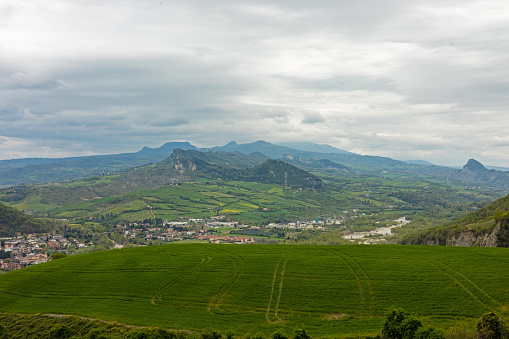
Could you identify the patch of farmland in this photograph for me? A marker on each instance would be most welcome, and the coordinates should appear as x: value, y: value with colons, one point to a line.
x: 331, y: 290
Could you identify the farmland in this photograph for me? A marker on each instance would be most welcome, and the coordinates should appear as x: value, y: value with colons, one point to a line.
x: 329, y: 290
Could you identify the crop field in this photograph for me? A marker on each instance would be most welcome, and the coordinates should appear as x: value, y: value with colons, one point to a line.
x: 331, y: 291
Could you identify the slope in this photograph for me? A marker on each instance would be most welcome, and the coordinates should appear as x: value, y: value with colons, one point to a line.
x: 331, y: 291
x: 13, y: 221
x: 488, y: 226
x: 23, y: 171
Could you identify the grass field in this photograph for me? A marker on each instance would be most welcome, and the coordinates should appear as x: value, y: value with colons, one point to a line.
x: 331, y: 291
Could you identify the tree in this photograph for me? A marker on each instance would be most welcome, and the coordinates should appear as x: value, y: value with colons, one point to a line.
x: 58, y: 255
x: 398, y: 326
x: 489, y: 327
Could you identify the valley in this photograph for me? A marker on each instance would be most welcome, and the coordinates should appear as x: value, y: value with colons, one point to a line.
x: 223, y: 240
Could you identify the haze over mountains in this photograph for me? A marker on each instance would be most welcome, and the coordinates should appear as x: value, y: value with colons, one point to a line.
x: 308, y: 156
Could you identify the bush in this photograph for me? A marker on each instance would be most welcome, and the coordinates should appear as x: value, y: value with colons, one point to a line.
x: 3, y: 332
x: 279, y: 335
x: 60, y: 332
x: 301, y: 334
x: 489, y: 327
x: 398, y: 326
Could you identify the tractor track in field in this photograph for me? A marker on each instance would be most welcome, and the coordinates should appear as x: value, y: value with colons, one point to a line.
x: 216, y: 299
x: 471, y: 282
x: 159, y: 294
x: 267, y: 313
x: 462, y: 285
x: 343, y: 256
x: 368, y: 280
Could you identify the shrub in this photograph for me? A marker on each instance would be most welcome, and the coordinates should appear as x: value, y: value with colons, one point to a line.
x: 399, y: 326
x: 301, y: 334
x: 489, y: 327
x: 211, y: 335
x: 279, y: 335
x: 60, y: 332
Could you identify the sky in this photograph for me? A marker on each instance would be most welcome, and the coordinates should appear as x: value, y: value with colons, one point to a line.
x: 404, y: 79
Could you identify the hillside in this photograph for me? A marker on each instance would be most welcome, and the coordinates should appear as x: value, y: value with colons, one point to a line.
x: 214, y: 166
x: 486, y: 227
x: 24, y: 171
x: 45, y: 170
x: 379, y: 166
x: 12, y: 221
x: 331, y: 291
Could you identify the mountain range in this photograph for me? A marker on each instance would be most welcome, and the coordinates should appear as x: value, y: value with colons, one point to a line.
x: 308, y: 156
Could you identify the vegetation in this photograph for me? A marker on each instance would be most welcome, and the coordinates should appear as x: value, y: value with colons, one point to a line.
x: 479, y: 223
x: 330, y: 291
x: 12, y: 221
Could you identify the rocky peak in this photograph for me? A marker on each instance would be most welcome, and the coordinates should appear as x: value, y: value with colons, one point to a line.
x: 475, y: 166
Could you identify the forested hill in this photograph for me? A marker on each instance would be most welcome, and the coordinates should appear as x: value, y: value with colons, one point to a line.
x: 12, y: 221
x: 213, y: 165
x: 486, y: 227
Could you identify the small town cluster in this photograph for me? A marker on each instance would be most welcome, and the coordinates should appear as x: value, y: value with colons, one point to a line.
x: 31, y: 249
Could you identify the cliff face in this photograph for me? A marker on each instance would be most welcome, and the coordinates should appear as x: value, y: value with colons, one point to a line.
x: 469, y: 239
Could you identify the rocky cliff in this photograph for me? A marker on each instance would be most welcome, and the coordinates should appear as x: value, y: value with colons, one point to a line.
x: 469, y: 239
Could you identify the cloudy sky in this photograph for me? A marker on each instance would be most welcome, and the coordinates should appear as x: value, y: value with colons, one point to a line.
x: 405, y: 79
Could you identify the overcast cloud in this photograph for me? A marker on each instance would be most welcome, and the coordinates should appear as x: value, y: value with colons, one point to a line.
x: 405, y: 79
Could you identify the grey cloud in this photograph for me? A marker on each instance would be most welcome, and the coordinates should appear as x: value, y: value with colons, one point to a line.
x: 312, y: 118
x: 27, y: 81
x: 402, y: 77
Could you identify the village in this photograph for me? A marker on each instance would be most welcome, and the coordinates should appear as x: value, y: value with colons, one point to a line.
x: 25, y: 250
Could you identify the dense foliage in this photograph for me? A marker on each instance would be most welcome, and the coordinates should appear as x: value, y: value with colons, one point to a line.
x: 12, y: 221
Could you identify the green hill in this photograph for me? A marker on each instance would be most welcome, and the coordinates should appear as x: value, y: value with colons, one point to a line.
x: 12, y: 221
x: 488, y: 226
x: 217, y: 166
x: 331, y: 291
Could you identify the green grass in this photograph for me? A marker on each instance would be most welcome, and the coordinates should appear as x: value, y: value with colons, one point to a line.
x: 331, y: 291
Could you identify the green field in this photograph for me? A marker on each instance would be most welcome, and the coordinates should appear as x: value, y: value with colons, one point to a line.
x: 331, y: 291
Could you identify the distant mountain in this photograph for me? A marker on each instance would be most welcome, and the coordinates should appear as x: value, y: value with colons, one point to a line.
x: 498, y: 168
x: 271, y: 150
x: 420, y: 162
x: 486, y: 227
x: 474, y: 166
x: 12, y: 221
x: 228, y: 159
x: 180, y: 167
x: 211, y: 165
x: 474, y: 171
x: 312, y: 147
x: 314, y: 164
x: 282, y: 173
x: 45, y: 170
x: 23, y: 171
x: 166, y: 149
